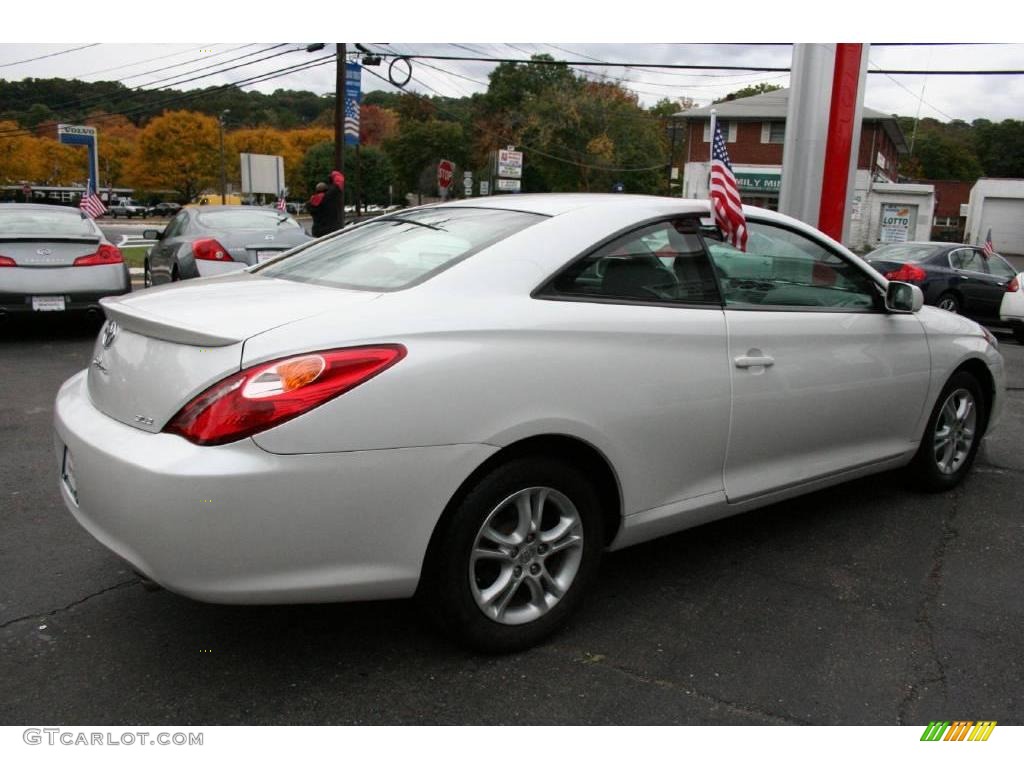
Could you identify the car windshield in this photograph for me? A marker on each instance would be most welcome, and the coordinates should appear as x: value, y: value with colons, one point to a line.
x: 233, y: 218
x: 399, y: 251
x: 903, y: 252
x: 60, y: 221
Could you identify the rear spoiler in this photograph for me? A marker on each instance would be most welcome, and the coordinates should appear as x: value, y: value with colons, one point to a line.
x: 132, y: 319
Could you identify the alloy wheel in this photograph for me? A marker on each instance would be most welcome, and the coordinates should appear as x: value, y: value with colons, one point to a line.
x: 955, y: 431
x: 526, y: 555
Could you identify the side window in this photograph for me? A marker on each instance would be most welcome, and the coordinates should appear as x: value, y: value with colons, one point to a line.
x: 781, y: 268
x: 968, y: 259
x: 998, y: 267
x: 660, y: 263
x: 176, y: 227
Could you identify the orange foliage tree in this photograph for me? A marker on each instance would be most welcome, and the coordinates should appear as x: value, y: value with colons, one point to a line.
x: 179, y: 150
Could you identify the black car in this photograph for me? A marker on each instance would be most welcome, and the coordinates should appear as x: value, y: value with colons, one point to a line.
x: 957, y: 278
x: 165, y: 209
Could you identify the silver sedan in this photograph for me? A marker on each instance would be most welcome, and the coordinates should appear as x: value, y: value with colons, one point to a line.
x: 55, y: 259
x: 212, y: 240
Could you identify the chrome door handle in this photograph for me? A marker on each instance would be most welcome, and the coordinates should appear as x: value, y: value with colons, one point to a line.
x: 746, y: 361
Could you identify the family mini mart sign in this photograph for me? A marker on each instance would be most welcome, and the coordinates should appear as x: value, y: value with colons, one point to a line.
x: 759, y: 183
x: 82, y: 135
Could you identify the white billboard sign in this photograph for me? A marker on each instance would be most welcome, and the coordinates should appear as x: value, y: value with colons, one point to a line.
x: 510, y: 157
x: 262, y: 174
x: 509, y: 185
x: 510, y: 171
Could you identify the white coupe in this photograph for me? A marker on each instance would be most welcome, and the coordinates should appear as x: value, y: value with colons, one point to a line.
x: 469, y: 402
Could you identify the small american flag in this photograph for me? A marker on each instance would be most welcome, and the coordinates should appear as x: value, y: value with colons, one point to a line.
x: 987, y: 249
x: 91, y: 205
x: 280, y: 204
x: 725, y: 195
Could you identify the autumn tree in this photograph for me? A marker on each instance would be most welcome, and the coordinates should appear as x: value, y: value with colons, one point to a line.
x: 179, y: 150
x: 376, y: 125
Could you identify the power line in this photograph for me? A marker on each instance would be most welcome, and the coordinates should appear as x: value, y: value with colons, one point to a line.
x: 218, y: 71
x: 186, y: 63
x: 51, y: 55
x: 143, y: 61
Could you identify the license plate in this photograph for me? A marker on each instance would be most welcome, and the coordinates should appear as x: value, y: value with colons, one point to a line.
x: 48, y: 303
x: 262, y: 256
x: 67, y: 475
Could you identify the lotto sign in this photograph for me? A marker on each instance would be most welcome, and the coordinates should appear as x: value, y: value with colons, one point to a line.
x: 895, y: 223
x: 445, y: 171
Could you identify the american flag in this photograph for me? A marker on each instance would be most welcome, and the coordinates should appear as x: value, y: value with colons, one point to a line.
x: 91, y: 205
x: 280, y: 203
x: 351, y: 120
x: 987, y: 249
x: 725, y: 195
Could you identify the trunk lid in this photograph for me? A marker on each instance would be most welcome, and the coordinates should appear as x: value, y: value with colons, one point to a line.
x: 163, y: 346
x: 248, y: 246
x: 51, y: 251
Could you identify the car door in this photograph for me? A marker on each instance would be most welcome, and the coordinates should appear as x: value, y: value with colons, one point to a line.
x: 1001, y: 273
x: 643, y: 319
x: 823, y: 378
x: 162, y: 254
x: 981, y: 290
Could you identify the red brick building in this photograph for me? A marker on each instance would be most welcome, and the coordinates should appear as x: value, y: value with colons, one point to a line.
x: 755, y: 128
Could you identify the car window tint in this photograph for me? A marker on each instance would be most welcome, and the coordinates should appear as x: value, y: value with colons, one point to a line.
x: 902, y: 253
x: 27, y: 221
x: 999, y: 267
x: 968, y: 259
x: 782, y: 268
x: 395, y: 252
x: 177, y: 226
x: 234, y: 218
x: 663, y: 262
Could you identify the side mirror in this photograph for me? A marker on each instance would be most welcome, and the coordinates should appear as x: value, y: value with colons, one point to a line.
x: 152, y: 234
x: 903, y: 297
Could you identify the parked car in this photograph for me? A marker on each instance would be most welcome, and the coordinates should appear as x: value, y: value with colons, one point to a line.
x: 469, y: 402
x: 1011, y: 308
x: 55, y: 259
x: 956, y: 278
x: 127, y: 208
x: 164, y: 209
x: 199, y: 242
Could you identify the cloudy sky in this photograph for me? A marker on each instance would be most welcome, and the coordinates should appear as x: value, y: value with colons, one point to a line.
x: 174, y: 62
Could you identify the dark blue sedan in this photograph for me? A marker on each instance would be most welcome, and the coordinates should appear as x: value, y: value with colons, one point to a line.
x: 957, y: 278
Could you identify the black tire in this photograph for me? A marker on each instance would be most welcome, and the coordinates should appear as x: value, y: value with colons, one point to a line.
x: 175, y: 277
x: 1018, y: 334
x: 147, y: 276
x: 450, y: 596
x: 927, y: 467
x: 949, y: 302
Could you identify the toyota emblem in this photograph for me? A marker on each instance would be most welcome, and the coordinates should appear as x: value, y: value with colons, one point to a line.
x: 109, y: 333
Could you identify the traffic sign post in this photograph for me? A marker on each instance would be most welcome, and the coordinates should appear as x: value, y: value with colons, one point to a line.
x: 467, y: 183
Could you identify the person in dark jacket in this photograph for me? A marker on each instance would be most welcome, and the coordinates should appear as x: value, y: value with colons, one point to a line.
x: 325, y: 204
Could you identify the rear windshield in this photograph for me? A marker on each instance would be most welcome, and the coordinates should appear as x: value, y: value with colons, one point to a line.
x: 399, y: 251
x: 60, y: 221
x: 245, y: 219
x: 903, y: 252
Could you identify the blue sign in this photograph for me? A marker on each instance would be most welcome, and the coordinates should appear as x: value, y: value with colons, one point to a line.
x: 82, y: 135
x: 353, y: 83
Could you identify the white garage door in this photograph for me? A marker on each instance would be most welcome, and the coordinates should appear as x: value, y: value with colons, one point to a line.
x: 1005, y: 215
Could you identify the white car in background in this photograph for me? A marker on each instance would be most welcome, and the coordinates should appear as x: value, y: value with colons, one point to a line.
x: 469, y: 402
x: 1011, y: 310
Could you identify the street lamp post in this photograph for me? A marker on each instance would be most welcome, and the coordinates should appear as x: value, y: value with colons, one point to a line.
x: 223, y: 166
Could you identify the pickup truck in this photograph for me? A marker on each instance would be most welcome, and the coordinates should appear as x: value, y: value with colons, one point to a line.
x: 127, y: 207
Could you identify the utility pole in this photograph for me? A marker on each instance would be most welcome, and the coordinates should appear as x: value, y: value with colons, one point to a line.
x: 223, y: 166
x: 339, y: 120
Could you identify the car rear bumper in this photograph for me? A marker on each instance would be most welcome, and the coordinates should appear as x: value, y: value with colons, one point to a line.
x: 81, y: 287
x: 236, y: 524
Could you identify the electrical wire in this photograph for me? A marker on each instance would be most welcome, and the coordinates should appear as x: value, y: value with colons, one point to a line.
x: 144, y: 61
x: 51, y: 55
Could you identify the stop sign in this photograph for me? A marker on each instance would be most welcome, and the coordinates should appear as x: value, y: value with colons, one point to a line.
x: 445, y: 171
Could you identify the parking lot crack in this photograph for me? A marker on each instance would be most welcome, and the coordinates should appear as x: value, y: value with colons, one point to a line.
x: 923, y: 641
x: 47, y: 614
x: 688, y: 690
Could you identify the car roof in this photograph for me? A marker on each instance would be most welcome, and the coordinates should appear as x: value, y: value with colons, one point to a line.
x: 557, y: 203
x: 41, y: 207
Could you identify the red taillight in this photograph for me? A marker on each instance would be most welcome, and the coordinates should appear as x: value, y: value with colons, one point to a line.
x: 1011, y: 287
x: 208, y: 249
x: 269, y: 394
x: 107, y: 254
x: 907, y: 273
x: 7, y: 261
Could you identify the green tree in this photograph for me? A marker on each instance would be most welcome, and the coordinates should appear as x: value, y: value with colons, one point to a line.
x: 749, y: 90
x: 376, y: 173
x: 421, y: 144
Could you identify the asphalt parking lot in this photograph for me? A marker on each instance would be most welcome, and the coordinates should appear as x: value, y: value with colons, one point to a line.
x: 863, y: 604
